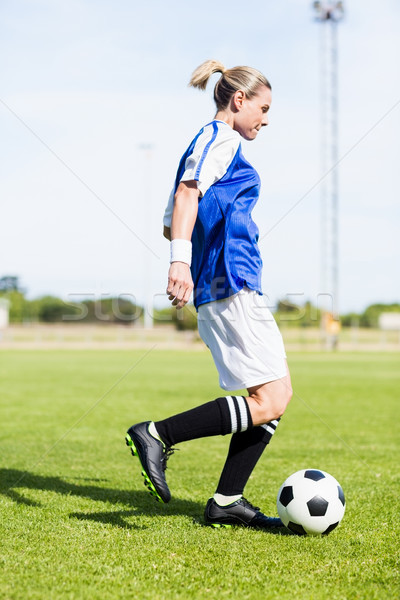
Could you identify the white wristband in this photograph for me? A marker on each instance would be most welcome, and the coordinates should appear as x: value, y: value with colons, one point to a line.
x: 181, y: 251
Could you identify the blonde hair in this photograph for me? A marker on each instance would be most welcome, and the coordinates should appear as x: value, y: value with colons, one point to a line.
x: 246, y: 79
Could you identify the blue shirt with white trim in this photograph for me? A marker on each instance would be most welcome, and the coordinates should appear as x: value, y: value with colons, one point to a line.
x: 225, y: 255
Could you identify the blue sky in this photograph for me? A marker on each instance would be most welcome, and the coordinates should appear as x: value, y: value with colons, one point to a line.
x: 85, y: 84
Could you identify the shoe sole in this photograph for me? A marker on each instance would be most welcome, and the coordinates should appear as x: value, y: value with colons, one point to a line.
x: 220, y: 525
x: 147, y: 481
x: 229, y: 525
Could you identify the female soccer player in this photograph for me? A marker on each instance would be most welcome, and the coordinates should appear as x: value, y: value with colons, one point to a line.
x: 209, y: 211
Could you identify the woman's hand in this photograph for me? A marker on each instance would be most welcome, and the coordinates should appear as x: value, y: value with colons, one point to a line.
x: 186, y: 200
x: 180, y: 284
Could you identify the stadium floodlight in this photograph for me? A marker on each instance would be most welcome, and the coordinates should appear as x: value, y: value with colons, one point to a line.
x: 333, y: 11
x: 328, y: 14
x: 147, y: 268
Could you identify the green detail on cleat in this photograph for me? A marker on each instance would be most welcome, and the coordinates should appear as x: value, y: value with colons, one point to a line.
x: 147, y: 481
x: 129, y: 442
x: 151, y: 487
x: 219, y: 525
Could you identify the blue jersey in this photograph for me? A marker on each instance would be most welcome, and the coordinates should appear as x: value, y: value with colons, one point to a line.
x: 226, y: 256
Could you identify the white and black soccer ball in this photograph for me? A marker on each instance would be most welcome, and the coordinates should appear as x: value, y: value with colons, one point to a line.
x: 311, y: 502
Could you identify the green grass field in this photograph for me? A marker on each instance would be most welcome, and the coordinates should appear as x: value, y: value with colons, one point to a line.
x: 77, y: 522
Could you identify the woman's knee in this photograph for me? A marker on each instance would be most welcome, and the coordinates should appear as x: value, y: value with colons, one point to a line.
x: 289, y: 393
x: 278, y: 405
x: 272, y: 402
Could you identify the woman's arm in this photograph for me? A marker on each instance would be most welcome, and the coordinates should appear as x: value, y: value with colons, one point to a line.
x: 180, y: 283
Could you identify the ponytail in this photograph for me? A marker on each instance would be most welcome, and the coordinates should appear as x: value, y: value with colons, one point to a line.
x: 202, y: 74
x: 246, y: 79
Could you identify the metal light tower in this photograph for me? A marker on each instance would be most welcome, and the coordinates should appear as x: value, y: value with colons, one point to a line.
x: 328, y: 14
x: 147, y: 150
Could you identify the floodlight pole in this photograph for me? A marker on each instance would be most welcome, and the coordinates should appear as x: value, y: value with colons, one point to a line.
x: 329, y: 14
x: 148, y: 306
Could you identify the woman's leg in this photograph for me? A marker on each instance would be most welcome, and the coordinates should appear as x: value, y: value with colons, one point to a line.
x: 246, y: 448
x: 228, y: 414
x: 269, y: 400
x: 224, y: 415
x: 152, y: 442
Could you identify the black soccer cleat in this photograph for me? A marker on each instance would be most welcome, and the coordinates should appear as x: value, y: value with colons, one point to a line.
x: 241, y: 513
x: 153, y: 456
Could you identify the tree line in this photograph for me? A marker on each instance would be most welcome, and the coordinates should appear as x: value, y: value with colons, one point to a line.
x: 51, y: 309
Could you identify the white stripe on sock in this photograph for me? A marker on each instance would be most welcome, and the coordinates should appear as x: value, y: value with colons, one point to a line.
x: 270, y: 430
x: 232, y: 410
x: 243, y: 412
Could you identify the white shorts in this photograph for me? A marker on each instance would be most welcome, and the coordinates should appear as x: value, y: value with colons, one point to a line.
x: 244, y: 340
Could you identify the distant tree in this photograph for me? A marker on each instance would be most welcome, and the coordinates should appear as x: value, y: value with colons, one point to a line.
x: 311, y: 315
x: 164, y: 316
x: 284, y: 306
x: 21, y: 309
x: 53, y: 310
x: 288, y: 313
x: 185, y: 318
x: 17, y: 305
x: 370, y: 317
x: 112, y: 310
x: 350, y: 319
x: 9, y: 283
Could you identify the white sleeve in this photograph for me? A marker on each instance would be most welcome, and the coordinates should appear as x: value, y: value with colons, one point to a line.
x: 168, y: 211
x: 212, y: 154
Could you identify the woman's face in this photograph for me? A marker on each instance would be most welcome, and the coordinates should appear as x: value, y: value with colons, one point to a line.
x: 251, y: 113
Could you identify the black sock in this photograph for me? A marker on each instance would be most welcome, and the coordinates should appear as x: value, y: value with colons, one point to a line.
x: 244, y: 451
x: 219, y: 417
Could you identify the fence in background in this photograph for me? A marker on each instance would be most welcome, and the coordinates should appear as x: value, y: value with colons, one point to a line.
x: 167, y: 337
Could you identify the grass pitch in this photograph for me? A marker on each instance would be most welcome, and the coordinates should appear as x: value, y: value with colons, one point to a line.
x: 77, y: 522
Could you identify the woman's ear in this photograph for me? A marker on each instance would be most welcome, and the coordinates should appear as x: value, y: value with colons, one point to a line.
x: 237, y: 100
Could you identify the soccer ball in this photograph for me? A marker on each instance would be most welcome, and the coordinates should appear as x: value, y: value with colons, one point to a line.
x: 311, y: 502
